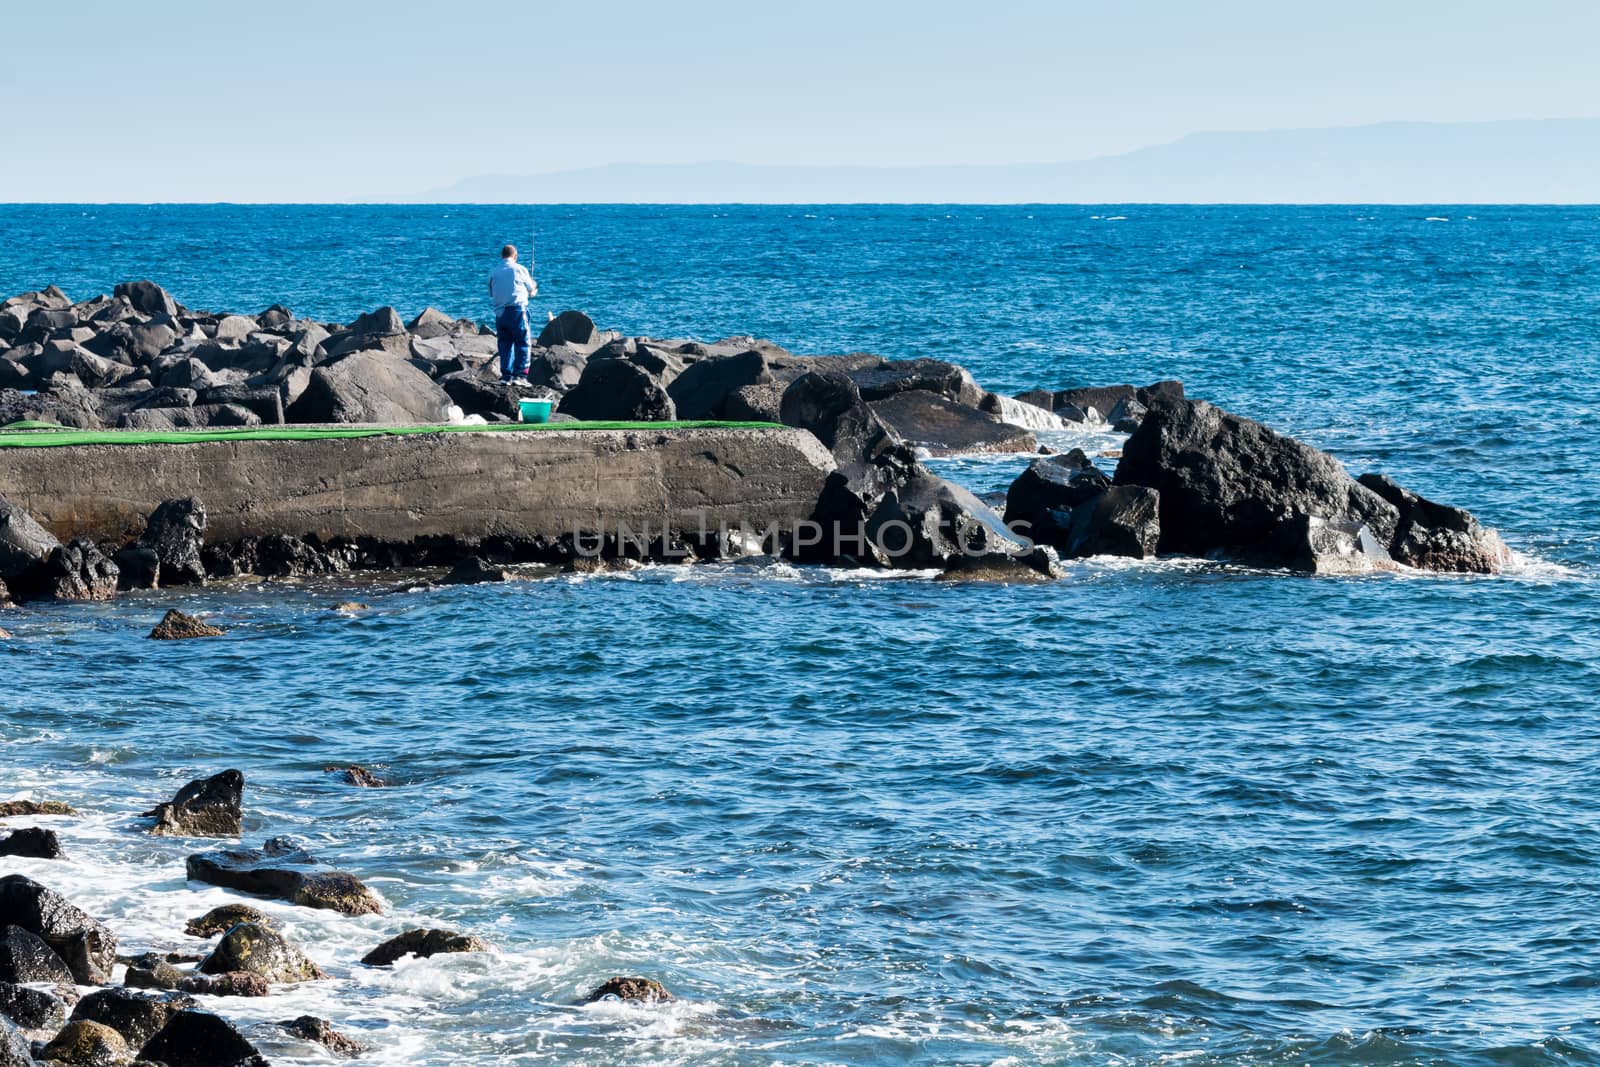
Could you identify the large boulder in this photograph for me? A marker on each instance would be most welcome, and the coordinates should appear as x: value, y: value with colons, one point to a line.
x: 26, y: 959
x: 569, y: 328
x: 476, y: 394
x: 194, y: 1038
x: 560, y: 368
x: 619, y: 389
x: 918, y: 375
x: 284, y: 870
x: 24, y: 544
x: 67, y: 404
x: 77, y: 570
x: 208, y: 807
x: 430, y: 323
x: 371, y: 387
x: 941, y: 427
x: 1232, y: 486
x: 1438, y: 537
x: 1103, y: 400
x: 169, y: 552
x: 1122, y: 521
x: 1039, y: 503
x: 255, y: 948
x: 701, y: 390
x: 830, y: 406
x: 422, y: 944
x: 755, y: 403
x: 384, y: 321
x: 927, y: 522
x: 147, y: 298
x: 136, y: 1016
x: 88, y: 948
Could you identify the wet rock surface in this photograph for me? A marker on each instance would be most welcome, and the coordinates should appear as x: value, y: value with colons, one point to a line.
x: 258, y: 949
x: 222, y: 919
x: 422, y: 944
x: 282, y: 869
x: 1232, y: 486
x: 645, y: 990
x: 136, y: 1016
x: 32, y: 841
x: 208, y: 807
x: 85, y: 945
x: 26, y: 959
x: 321, y: 1032
x: 87, y: 1044
x: 194, y: 1038
x: 176, y: 626
x: 31, y: 1009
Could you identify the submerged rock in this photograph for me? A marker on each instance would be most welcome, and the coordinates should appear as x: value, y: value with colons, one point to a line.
x: 176, y: 626
x: 221, y: 920
x: 255, y: 948
x: 10, y: 809
x: 194, y: 1038
x: 646, y: 990
x: 321, y: 1031
x: 33, y: 842
x: 136, y: 1016
x: 474, y: 571
x: 422, y: 944
x: 208, y: 807
x: 281, y: 869
x: 87, y: 947
x: 359, y: 776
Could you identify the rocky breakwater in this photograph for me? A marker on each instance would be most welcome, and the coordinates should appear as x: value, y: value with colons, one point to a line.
x: 845, y: 483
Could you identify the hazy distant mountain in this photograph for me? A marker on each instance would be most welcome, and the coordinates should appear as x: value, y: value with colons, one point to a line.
x: 1537, y: 161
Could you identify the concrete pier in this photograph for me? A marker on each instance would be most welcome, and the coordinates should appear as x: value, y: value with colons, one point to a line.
x: 542, y: 484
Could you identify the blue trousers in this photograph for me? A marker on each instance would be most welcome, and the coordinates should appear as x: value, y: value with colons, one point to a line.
x: 511, y: 339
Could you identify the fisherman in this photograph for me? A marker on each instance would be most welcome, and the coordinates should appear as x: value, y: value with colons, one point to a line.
x: 510, y: 285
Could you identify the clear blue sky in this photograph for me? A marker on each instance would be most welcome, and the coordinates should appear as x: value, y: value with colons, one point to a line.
x: 293, y: 100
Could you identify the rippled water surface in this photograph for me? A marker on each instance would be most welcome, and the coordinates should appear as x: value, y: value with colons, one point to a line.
x: 1167, y: 812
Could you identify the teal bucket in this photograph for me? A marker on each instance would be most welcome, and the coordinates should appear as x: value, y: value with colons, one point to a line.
x: 535, y: 410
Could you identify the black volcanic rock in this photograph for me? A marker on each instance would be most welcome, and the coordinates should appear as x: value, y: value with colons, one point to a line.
x: 208, y: 807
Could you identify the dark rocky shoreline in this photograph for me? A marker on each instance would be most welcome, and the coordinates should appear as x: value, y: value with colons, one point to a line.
x: 62, y: 1005
x: 1192, y: 480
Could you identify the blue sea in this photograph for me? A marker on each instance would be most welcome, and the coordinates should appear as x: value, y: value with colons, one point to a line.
x: 1175, y: 812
